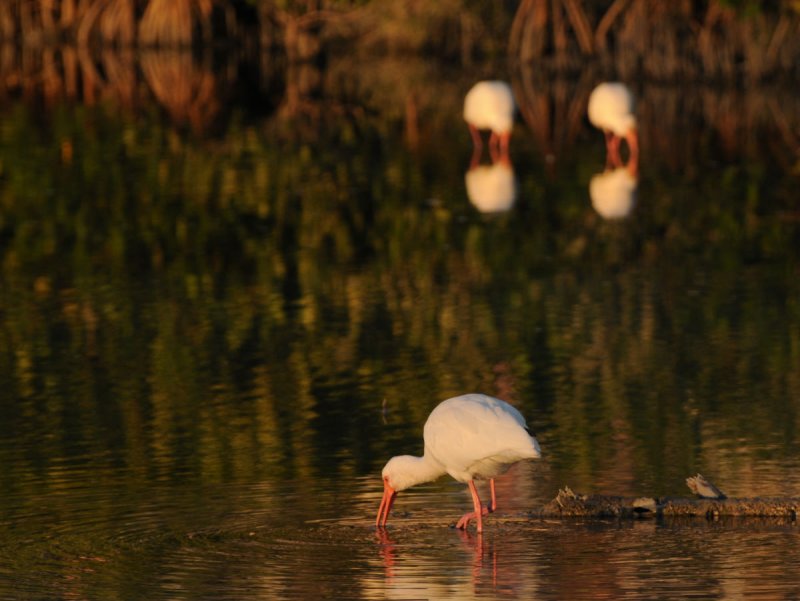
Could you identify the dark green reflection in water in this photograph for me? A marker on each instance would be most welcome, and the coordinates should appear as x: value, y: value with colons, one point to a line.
x: 270, y: 306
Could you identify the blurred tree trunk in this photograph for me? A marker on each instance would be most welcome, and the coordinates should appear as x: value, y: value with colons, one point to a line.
x: 686, y: 38
x: 175, y: 22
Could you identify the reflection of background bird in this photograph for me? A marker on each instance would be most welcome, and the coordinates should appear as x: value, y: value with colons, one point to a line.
x: 613, y: 193
x: 492, y: 188
x: 490, y: 105
x: 472, y: 436
x: 611, y: 109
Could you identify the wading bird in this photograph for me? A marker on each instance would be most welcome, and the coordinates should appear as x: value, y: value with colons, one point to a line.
x: 613, y: 192
x: 492, y: 188
x: 490, y: 105
x: 470, y: 437
x: 611, y: 110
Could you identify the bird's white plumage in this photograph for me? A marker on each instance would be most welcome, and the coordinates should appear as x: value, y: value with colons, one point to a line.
x: 470, y: 437
x: 491, y: 188
x: 477, y: 436
x: 613, y: 193
x: 490, y: 105
x: 611, y: 108
x: 405, y: 471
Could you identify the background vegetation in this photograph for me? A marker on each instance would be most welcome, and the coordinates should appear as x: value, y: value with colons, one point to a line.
x: 320, y: 263
x: 238, y: 267
x: 717, y: 39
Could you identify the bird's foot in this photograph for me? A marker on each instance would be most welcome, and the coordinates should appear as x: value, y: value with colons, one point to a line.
x: 465, y: 519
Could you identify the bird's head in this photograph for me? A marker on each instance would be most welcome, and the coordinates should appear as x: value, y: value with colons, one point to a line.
x: 397, y: 476
x: 400, y: 472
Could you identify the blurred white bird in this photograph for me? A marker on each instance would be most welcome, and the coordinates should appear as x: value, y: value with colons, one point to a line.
x: 470, y: 437
x: 613, y: 192
x: 611, y: 110
x: 491, y: 188
x: 490, y: 105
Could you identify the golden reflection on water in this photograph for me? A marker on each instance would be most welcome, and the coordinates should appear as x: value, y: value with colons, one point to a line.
x: 210, y: 345
x: 594, y: 560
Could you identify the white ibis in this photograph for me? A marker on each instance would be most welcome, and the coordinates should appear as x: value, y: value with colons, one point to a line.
x: 613, y: 192
x: 492, y: 188
x: 490, y: 105
x: 611, y: 109
x: 470, y: 437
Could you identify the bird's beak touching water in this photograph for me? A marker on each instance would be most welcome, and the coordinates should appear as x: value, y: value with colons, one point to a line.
x: 389, y: 495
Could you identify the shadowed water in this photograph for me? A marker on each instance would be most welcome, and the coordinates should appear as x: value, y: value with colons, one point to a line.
x: 216, y: 327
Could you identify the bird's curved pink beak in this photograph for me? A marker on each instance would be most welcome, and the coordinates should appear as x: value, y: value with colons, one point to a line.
x: 389, y: 495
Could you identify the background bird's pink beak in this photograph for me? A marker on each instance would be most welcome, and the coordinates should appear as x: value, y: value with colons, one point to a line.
x: 389, y: 495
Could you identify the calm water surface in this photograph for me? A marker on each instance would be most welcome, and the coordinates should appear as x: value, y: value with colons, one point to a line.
x: 217, y: 322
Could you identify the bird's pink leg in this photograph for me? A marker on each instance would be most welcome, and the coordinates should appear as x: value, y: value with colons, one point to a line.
x: 633, y: 146
x: 609, y: 151
x: 476, y: 501
x: 505, y: 138
x: 477, y: 145
x: 616, y: 160
x: 494, y: 147
x: 493, y: 504
x: 477, y: 514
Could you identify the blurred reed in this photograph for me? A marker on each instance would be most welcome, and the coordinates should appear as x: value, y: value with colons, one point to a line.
x: 718, y: 39
x: 661, y: 40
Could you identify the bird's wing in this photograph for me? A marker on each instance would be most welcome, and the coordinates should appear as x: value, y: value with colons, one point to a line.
x: 465, y: 430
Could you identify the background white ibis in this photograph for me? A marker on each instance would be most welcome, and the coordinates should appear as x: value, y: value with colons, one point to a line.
x: 470, y: 437
x: 490, y: 105
x: 491, y: 188
x: 613, y: 192
x: 611, y: 109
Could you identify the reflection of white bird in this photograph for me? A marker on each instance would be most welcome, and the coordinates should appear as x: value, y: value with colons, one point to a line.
x: 613, y: 193
x: 611, y: 109
x: 490, y: 105
x: 492, y: 188
x: 470, y: 437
